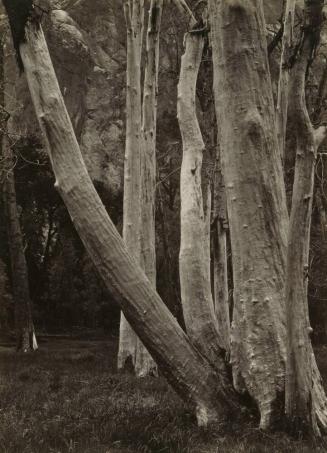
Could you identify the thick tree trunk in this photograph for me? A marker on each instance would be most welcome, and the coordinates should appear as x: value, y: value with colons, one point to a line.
x: 179, y: 361
x: 256, y: 199
x: 25, y: 335
x: 144, y: 362
x: 220, y: 272
x: 134, y: 12
x: 306, y: 402
x: 283, y: 82
x: 200, y: 320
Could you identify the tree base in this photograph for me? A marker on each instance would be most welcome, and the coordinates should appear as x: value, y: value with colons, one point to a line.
x: 26, y: 341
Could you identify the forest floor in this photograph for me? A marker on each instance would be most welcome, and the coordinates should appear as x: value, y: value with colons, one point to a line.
x: 68, y: 397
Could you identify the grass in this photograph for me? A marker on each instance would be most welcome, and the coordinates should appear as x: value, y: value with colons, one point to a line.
x: 68, y: 398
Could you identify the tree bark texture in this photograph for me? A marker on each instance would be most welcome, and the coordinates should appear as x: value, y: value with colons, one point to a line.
x: 179, y: 361
x: 197, y: 303
x: 134, y: 12
x: 207, y: 205
x: 220, y: 271
x: 144, y: 362
x: 256, y: 199
x: 305, y: 400
x: 283, y: 82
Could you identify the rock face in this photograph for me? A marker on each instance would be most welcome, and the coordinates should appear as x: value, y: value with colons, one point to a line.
x: 87, y: 45
x: 88, y: 57
x: 102, y: 136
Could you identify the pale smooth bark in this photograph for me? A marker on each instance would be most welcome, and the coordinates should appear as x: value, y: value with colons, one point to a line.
x: 177, y: 358
x: 134, y: 12
x: 144, y: 363
x: 220, y: 272
x: 305, y: 399
x: 256, y: 200
x: 284, y: 70
x: 197, y: 303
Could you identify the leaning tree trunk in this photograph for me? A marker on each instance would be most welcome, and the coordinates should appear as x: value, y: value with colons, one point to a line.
x: 220, y: 271
x: 306, y: 403
x: 144, y: 362
x: 197, y: 303
x: 177, y: 358
x: 256, y: 199
x: 134, y: 12
x: 283, y: 82
x: 25, y: 335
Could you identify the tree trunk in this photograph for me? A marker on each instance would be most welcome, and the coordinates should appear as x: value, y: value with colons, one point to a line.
x: 200, y: 321
x: 207, y: 204
x: 179, y: 361
x: 283, y: 82
x: 256, y: 199
x: 144, y: 362
x: 134, y: 12
x: 25, y: 335
x: 322, y: 212
x: 304, y: 394
x: 220, y: 272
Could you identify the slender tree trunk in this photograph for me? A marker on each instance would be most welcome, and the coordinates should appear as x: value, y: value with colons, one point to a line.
x: 144, y: 362
x: 207, y: 204
x: 200, y: 320
x: 319, y: 112
x: 134, y: 12
x: 220, y: 272
x: 171, y: 292
x: 177, y: 358
x: 306, y: 402
x: 283, y: 82
x: 256, y: 199
x: 25, y: 335
x: 322, y: 212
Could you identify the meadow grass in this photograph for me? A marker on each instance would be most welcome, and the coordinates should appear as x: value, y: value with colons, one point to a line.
x: 68, y: 397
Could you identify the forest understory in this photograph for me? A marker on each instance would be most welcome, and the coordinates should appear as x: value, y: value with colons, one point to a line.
x: 77, y: 403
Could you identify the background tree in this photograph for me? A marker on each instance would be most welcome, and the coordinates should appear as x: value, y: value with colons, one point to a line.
x: 145, y: 364
x: 134, y: 16
x: 25, y: 335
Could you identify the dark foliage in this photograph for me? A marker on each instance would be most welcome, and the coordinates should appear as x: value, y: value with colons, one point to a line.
x: 18, y: 11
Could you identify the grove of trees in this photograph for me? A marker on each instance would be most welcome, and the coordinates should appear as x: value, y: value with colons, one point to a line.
x: 216, y: 278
